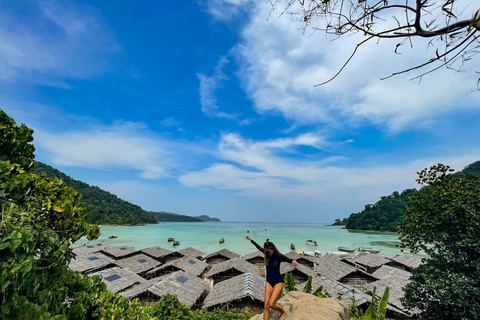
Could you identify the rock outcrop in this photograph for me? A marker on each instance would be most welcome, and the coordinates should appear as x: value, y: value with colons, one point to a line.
x: 303, y: 306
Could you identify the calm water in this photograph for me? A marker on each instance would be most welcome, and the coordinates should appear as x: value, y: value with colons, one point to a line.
x: 205, y: 236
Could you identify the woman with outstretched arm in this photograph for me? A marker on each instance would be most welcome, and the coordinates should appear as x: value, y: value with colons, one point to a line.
x: 274, y: 285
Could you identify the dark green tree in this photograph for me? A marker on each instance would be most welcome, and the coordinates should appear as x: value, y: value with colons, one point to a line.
x: 444, y: 222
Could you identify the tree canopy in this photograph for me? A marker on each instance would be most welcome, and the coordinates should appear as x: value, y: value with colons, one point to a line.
x: 454, y: 41
x: 443, y: 221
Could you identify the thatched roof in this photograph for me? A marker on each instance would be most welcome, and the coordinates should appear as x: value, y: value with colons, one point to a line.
x: 370, y: 260
x: 156, y: 252
x: 192, y: 252
x: 136, y: 290
x: 393, y: 278
x: 223, y: 253
x: 408, y: 260
x: 296, y: 256
x: 90, y: 262
x: 244, y: 286
x: 337, y: 289
x: 87, y: 249
x: 287, y: 267
x: 253, y: 255
x: 187, y: 287
x: 118, y: 279
x: 241, y: 265
x: 119, y: 252
x: 188, y: 264
x: 331, y: 266
x: 139, y: 263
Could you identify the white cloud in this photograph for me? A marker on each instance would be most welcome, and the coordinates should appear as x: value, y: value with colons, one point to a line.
x: 226, y: 9
x: 169, y: 122
x: 208, y: 85
x: 81, y: 43
x: 280, y: 66
x: 122, y: 145
x: 255, y: 170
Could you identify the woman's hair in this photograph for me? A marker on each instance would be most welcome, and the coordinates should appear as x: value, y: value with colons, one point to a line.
x: 269, y: 244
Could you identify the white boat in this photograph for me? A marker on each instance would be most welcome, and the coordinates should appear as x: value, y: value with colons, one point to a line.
x: 311, y: 242
x: 340, y: 253
x: 312, y: 254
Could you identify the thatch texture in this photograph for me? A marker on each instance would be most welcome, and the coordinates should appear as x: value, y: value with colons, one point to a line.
x: 139, y: 289
x: 158, y: 253
x: 371, y: 262
x: 243, y: 289
x: 220, y: 256
x: 187, y: 287
x: 187, y: 264
x: 88, y: 249
x: 192, y: 252
x: 406, y: 261
x: 139, y: 263
x: 91, y: 262
x: 231, y: 268
x: 332, y: 267
x: 393, y: 278
x: 300, y: 273
x: 119, y: 252
x: 302, y: 259
x: 118, y: 280
x: 256, y: 257
x: 337, y: 289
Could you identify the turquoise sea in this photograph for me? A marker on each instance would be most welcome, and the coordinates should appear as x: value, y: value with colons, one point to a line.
x: 205, y: 236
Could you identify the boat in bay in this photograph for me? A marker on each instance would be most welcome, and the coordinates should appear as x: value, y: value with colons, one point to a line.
x: 345, y: 249
x: 311, y: 242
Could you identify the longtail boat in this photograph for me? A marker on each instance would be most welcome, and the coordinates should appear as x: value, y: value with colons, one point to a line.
x: 369, y: 249
x: 345, y: 249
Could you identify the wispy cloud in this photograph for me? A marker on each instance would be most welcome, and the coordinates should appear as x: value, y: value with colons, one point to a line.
x: 226, y: 9
x: 69, y: 41
x: 280, y: 66
x: 208, y: 85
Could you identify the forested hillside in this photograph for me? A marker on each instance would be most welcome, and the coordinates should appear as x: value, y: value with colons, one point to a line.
x: 386, y: 214
x: 164, y: 216
x: 102, y: 206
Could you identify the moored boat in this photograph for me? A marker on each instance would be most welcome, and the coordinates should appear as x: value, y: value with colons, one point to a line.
x: 176, y: 243
x: 369, y: 249
x: 221, y: 240
x: 345, y: 249
x: 171, y: 239
x: 311, y: 242
x: 292, y: 246
x: 312, y: 254
x: 113, y: 237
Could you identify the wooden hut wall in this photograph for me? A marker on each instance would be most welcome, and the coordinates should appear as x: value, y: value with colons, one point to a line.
x: 357, y: 279
x: 228, y: 274
x: 216, y: 259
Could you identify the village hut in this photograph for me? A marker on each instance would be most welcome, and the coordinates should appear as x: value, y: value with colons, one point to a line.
x: 220, y: 256
x: 158, y: 253
x: 118, y: 280
x: 257, y: 258
x: 192, y: 252
x: 406, y: 262
x: 367, y: 261
x: 188, y: 288
x: 231, y: 268
x: 187, y: 264
x: 141, y: 292
x: 119, y: 252
x: 302, y: 259
x: 88, y: 249
x: 91, y: 262
x: 139, y: 263
x: 300, y: 273
x: 241, y: 293
x: 332, y: 267
x: 345, y: 293
x: 395, y: 279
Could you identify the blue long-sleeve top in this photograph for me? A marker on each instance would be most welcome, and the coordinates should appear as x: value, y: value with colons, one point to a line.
x: 273, y: 268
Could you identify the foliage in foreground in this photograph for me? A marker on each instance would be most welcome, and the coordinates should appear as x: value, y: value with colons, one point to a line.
x: 40, y: 219
x: 376, y: 311
x: 444, y: 222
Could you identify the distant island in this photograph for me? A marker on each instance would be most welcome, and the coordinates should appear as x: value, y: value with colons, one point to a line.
x: 104, y: 207
x: 386, y: 214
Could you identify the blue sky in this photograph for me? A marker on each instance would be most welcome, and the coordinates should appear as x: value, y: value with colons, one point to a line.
x: 208, y: 107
